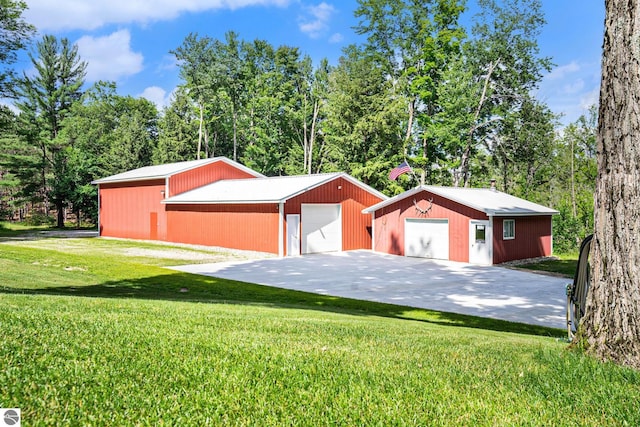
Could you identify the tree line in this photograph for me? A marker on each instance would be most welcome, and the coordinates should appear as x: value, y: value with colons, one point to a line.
x: 455, y: 101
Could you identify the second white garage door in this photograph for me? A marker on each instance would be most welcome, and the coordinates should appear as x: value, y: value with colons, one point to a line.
x: 426, y: 238
x: 321, y: 228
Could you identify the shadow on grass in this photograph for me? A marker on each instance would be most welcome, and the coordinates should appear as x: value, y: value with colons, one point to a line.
x: 39, y: 233
x: 185, y: 287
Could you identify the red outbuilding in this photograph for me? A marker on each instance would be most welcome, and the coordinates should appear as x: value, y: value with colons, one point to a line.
x: 479, y: 226
x: 129, y: 203
x: 218, y: 202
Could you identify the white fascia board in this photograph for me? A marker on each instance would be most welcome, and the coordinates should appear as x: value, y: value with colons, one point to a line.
x: 220, y: 202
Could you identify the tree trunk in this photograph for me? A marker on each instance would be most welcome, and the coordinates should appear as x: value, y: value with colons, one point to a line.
x: 610, y: 329
x: 573, y: 181
x: 235, y: 134
x: 466, y: 155
x: 200, y: 130
x: 407, y: 137
x: 312, y: 137
x: 60, y: 210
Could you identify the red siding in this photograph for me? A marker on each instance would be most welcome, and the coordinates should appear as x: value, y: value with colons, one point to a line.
x: 356, y: 226
x: 207, y: 174
x: 249, y: 227
x: 128, y: 210
x: 532, y: 239
x: 389, y: 223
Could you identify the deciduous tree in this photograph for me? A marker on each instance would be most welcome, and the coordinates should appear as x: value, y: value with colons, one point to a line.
x: 611, y: 327
x: 15, y: 33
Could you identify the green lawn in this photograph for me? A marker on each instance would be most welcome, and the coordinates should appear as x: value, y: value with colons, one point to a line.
x: 565, y: 265
x: 92, y: 337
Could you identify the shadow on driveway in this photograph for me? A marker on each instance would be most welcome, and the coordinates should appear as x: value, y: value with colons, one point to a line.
x: 491, y: 292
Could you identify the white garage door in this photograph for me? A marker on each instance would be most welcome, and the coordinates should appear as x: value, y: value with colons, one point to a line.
x: 321, y: 228
x: 426, y: 238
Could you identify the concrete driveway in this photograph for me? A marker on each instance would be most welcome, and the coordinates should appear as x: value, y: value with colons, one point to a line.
x: 494, y: 292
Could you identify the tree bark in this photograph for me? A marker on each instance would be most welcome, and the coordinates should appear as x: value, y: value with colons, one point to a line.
x: 312, y: 137
x: 466, y: 155
x: 610, y: 329
x: 200, y: 130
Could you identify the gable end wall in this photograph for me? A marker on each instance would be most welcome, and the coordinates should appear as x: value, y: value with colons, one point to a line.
x: 390, y: 220
x: 203, y: 175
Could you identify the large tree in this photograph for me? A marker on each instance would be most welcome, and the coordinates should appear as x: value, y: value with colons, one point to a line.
x: 505, y: 60
x: 412, y: 41
x: 45, y: 99
x: 611, y: 327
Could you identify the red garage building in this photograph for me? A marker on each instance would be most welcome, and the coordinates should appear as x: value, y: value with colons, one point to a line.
x: 129, y: 203
x: 479, y: 226
x: 218, y: 202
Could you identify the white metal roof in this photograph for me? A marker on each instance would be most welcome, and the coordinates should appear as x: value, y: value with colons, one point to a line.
x: 489, y: 201
x: 165, y: 171
x: 260, y: 190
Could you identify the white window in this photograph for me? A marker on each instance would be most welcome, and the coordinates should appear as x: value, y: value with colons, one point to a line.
x: 509, y: 229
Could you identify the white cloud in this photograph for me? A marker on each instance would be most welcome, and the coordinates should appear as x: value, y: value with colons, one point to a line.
x: 573, y: 87
x: 49, y: 15
x: 317, y: 22
x: 168, y: 63
x: 109, y: 57
x: 5, y: 102
x: 157, y: 95
x: 336, y: 38
x: 562, y: 71
x: 590, y: 98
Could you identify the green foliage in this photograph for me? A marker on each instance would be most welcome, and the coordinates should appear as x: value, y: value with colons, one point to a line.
x: 177, y: 131
x: 15, y: 34
x: 38, y: 219
x: 45, y: 100
x: 568, y: 230
x: 235, y: 353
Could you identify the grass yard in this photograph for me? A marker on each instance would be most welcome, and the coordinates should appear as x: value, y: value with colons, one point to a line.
x: 564, y: 265
x: 96, y: 332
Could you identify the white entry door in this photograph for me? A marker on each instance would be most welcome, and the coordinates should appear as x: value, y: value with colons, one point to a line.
x: 426, y: 238
x: 321, y: 228
x: 480, y: 242
x: 293, y: 235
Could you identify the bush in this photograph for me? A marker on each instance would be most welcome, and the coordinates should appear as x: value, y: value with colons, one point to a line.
x: 38, y: 219
x: 568, y: 231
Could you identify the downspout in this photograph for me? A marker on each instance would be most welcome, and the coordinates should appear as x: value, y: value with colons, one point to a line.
x: 281, y: 230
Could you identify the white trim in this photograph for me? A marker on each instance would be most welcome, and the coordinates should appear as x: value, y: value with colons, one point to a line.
x: 520, y: 207
x: 147, y: 173
x: 99, y: 225
x: 373, y: 231
x: 281, y: 230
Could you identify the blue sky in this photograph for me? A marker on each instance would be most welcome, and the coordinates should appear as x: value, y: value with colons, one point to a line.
x: 128, y: 41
